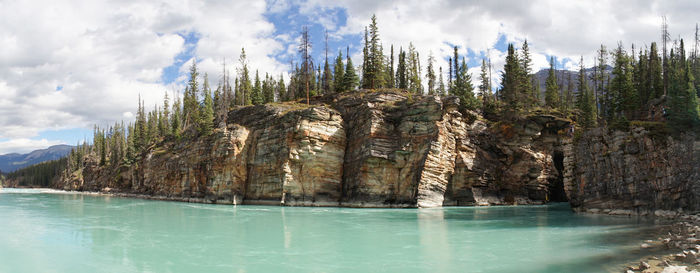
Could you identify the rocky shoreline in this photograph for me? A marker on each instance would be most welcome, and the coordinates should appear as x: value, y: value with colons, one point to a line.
x: 679, y: 237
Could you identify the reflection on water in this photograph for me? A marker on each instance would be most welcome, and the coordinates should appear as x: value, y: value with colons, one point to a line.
x: 78, y: 233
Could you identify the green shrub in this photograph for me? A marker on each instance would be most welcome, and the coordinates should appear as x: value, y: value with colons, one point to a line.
x: 620, y: 124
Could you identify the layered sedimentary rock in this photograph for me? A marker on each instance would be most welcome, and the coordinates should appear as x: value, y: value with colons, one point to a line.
x: 400, y: 152
x: 364, y: 149
x: 635, y: 172
x: 510, y: 163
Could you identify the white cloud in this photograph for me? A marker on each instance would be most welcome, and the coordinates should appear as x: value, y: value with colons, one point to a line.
x: 25, y: 145
x: 103, y: 54
x: 567, y: 29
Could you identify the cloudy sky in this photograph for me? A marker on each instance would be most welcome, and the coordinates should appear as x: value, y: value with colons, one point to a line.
x: 66, y: 65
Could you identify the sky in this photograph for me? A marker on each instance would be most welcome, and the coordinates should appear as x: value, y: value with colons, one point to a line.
x: 67, y: 65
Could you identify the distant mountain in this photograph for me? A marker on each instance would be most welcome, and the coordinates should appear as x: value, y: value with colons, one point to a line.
x: 15, y: 161
x: 563, y: 75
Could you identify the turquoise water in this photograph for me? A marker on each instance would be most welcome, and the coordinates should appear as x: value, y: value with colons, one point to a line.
x: 42, y: 232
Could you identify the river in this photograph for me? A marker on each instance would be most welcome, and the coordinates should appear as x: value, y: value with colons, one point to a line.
x: 60, y: 232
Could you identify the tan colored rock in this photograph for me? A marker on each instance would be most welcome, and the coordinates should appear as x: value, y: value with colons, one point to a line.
x: 367, y: 149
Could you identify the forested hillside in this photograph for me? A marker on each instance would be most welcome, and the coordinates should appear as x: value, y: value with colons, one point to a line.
x: 38, y: 175
x: 11, y: 162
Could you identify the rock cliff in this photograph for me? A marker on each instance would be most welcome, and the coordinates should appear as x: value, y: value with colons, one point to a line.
x: 364, y: 149
x: 636, y: 172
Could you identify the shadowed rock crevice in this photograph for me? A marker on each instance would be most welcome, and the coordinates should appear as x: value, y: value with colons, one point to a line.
x: 556, y: 188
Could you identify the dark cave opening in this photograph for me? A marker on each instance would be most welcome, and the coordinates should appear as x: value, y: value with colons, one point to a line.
x: 556, y: 187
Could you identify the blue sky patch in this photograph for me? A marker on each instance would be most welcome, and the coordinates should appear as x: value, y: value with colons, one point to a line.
x: 290, y: 22
x: 172, y: 72
x: 67, y: 136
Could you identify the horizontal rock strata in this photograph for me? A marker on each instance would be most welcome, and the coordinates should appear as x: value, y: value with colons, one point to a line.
x: 391, y: 149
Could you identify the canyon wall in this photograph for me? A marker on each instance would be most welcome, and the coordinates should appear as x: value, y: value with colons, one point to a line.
x: 361, y: 149
x: 635, y: 172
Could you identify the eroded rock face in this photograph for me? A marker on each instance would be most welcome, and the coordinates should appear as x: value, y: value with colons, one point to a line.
x: 509, y: 163
x: 297, y: 158
x: 400, y: 152
x: 634, y: 171
x: 364, y: 149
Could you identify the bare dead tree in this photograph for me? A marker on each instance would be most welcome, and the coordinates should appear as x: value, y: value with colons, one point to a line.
x: 307, y: 63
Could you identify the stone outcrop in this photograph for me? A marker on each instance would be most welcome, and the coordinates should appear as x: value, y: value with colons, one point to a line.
x: 364, y: 149
x: 510, y: 163
x: 635, y: 172
x: 399, y: 152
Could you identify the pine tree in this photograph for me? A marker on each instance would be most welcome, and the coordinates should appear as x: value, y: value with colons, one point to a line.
x: 256, y: 94
x: 152, y: 128
x: 176, y: 119
x: 364, y: 81
x: 464, y: 89
x: 316, y: 83
x: 642, y: 83
x: 218, y: 103
x: 191, y: 102
x: 568, y: 95
x: 223, y: 98
x: 682, y: 103
x: 339, y: 73
x: 307, y: 66
x: 401, y: 80
x: 449, y: 75
x: 294, y: 84
x: 414, y: 71
x: 130, y: 151
x: 229, y: 94
x: 551, y: 92
x: 431, y: 75
x: 101, y: 142
x: 584, y: 102
x: 621, y: 88
x: 602, y: 81
x: 372, y: 74
x: 391, y: 79
x: 281, y: 88
x: 164, y: 120
x: 484, y: 84
x: 268, y: 89
x: 537, y: 91
x: 510, y: 82
x: 695, y: 62
x: 244, y: 84
x: 656, y: 84
x: 349, y: 77
x: 441, y: 85
x: 327, y: 79
x: 140, y: 129
x: 455, y: 80
x: 527, y: 95
x: 206, y: 124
